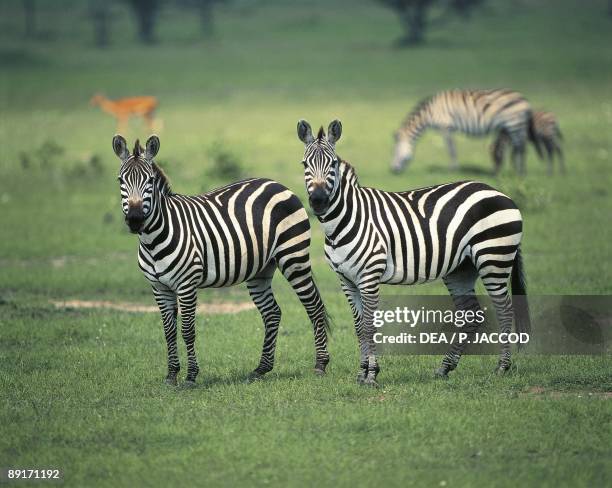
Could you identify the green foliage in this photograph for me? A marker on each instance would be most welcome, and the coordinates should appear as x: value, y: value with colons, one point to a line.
x: 50, y: 159
x: 530, y: 197
x: 225, y: 165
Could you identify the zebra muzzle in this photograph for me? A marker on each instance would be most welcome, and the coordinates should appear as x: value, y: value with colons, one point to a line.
x: 319, y: 201
x: 135, y: 218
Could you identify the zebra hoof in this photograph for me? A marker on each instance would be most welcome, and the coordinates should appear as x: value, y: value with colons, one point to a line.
x: 255, y: 376
x: 501, y: 371
x: 371, y: 382
x: 171, y: 380
x: 319, y: 372
x: 441, y: 373
x: 189, y: 384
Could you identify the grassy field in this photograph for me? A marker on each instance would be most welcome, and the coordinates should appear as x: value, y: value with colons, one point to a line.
x: 82, y: 388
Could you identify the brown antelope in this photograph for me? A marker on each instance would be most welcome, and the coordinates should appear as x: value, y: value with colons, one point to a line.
x: 123, y: 108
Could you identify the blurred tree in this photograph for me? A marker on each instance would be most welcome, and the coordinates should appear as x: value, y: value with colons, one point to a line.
x: 206, y: 10
x: 146, y: 12
x: 413, y: 15
x: 99, y: 12
x: 29, y: 9
x: 206, y: 16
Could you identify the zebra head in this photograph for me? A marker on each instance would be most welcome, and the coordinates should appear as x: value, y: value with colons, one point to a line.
x: 403, y: 151
x: 321, y: 164
x: 136, y: 180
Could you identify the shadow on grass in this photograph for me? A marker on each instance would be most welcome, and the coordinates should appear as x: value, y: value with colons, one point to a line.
x: 242, y: 378
x: 468, y: 169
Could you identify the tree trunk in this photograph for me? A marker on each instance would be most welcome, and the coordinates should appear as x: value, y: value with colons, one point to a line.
x: 146, y: 26
x: 100, y: 17
x: 146, y: 16
x: 414, y: 23
x: 29, y: 8
x: 206, y: 18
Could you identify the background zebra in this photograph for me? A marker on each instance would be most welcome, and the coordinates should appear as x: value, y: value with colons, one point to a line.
x: 457, y: 232
x: 548, y: 138
x: 239, y: 233
x: 473, y: 112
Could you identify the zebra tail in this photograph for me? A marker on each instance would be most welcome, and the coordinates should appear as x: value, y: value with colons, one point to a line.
x: 522, y: 320
x: 534, y: 137
x: 327, y: 317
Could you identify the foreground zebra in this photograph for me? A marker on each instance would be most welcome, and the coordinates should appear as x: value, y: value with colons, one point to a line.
x: 473, y: 112
x: 457, y: 232
x: 239, y: 233
x: 548, y: 138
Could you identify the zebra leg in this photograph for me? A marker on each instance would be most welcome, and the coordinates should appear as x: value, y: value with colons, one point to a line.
x: 460, y: 284
x: 503, y: 310
x: 495, y: 278
x: 296, y: 270
x: 518, y: 158
x: 260, y: 289
x: 497, y: 151
x: 354, y: 298
x: 166, y: 301
x: 452, y: 150
x: 187, y: 301
x: 548, y: 145
x: 559, y: 151
x: 369, y: 299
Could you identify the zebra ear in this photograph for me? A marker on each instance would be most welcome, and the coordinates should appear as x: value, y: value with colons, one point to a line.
x: 304, y: 131
x: 334, y: 131
x: 152, y: 147
x: 120, y: 147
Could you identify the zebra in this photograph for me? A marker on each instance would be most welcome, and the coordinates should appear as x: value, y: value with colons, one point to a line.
x: 473, y: 112
x: 456, y: 231
x: 238, y: 233
x: 547, y: 136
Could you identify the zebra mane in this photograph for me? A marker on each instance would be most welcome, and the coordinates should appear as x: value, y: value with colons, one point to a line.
x: 350, y: 169
x: 162, y: 180
x: 321, y: 133
x: 417, y: 110
x: 138, y: 150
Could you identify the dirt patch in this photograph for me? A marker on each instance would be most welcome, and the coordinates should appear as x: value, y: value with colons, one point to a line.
x: 540, y: 391
x: 214, y: 308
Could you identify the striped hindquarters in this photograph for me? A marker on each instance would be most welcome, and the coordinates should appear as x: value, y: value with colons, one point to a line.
x: 473, y: 112
x: 430, y: 231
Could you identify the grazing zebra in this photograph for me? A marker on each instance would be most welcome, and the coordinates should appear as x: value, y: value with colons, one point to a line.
x: 547, y: 135
x: 239, y: 233
x: 473, y: 112
x: 457, y: 232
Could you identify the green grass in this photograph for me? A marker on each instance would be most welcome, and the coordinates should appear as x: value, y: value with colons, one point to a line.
x: 83, y: 390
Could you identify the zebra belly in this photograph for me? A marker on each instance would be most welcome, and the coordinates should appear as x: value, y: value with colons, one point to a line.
x: 405, y: 274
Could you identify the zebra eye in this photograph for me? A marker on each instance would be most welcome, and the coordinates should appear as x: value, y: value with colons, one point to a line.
x: 151, y: 179
x: 304, y: 163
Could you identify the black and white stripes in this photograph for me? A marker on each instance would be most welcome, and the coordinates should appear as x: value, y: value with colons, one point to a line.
x: 457, y: 232
x: 239, y: 233
x: 472, y: 112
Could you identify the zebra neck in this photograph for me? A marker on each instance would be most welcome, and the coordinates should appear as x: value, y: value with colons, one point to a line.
x: 155, y: 224
x: 416, y: 123
x: 345, y: 207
